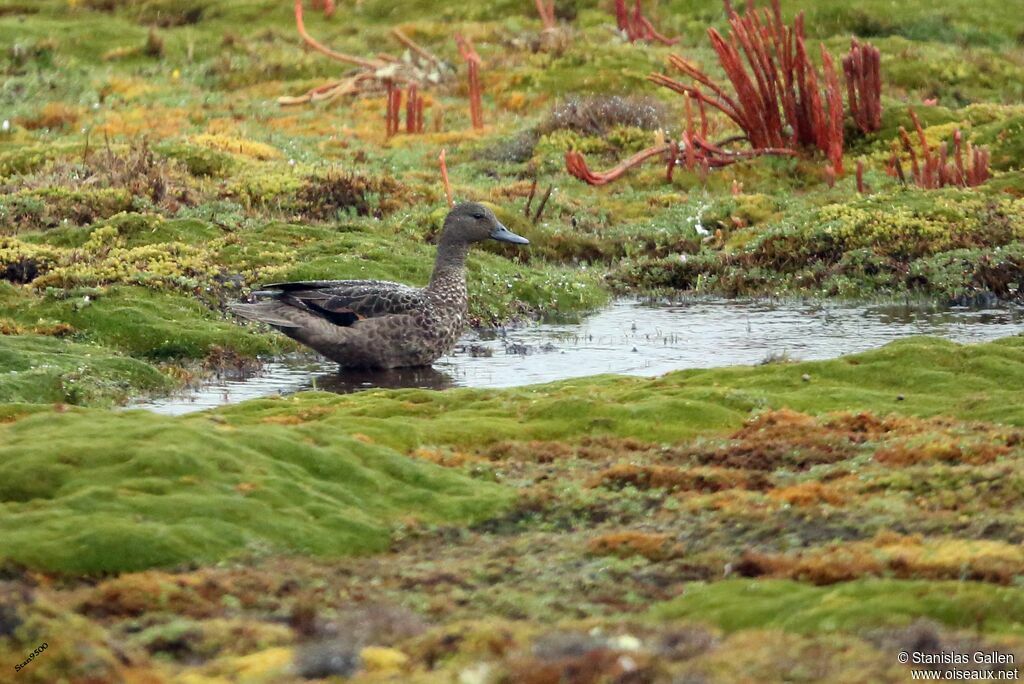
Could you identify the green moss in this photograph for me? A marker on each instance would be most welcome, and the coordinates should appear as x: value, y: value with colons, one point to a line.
x: 40, y: 369
x: 112, y: 492
x: 932, y: 376
x: 49, y: 207
x: 322, y: 468
x: 141, y: 322
x: 852, y: 606
x: 198, y: 159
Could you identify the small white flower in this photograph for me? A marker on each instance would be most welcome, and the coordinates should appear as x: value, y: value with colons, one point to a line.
x: 6, y: 126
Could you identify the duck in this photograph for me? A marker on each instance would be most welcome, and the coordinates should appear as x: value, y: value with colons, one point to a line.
x: 378, y: 324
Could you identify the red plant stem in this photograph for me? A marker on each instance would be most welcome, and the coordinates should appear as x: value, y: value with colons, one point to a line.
x: 636, y: 26
x: 673, y: 159
x: 622, y: 16
x: 937, y: 170
x: 393, y: 98
x: 925, y: 150
x: 444, y: 177
x: 909, y: 147
x: 475, y: 108
x: 413, y: 110
x: 703, y: 117
x: 473, y: 63
x: 959, y: 150
x: 862, y: 67
x: 830, y: 176
x: 698, y: 154
x: 577, y: 166
x: 835, y: 112
x: 319, y: 47
x: 546, y: 10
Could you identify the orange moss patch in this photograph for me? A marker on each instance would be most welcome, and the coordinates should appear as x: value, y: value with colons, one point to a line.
x: 53, y: 116
x: 650, y: 545
x: 684, y: 479
x: 778, y: 439
x: 448, y: 459
x: 126, y: 88
x: 808, y: 494
x: 303, y: 124
x: 973, y: 453
x: 152, y: 121
x: 893, y: 555
x: 135, y: 594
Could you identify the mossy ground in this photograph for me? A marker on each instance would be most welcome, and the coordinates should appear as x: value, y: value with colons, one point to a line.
x: 797, y: 522
x: 145, y: 150
x: 831, y: 507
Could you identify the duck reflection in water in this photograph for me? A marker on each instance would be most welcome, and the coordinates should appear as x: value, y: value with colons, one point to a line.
x: 349, y: 380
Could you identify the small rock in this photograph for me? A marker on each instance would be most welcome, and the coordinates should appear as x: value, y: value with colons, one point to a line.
x: 625, y: 642
x: 805, y: 377
x: 477, y: 674
x: 326, y: 659
x: 899, y: 397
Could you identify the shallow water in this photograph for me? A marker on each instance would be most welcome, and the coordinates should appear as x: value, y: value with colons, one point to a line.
x: 629, y: 338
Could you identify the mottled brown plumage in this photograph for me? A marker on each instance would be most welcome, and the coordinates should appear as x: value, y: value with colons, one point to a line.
x: 380, y: 324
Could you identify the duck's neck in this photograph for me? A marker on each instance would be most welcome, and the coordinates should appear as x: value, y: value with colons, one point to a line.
x: 449, y: 277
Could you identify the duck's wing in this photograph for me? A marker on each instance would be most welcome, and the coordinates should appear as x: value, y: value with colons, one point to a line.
x: 343, y: 302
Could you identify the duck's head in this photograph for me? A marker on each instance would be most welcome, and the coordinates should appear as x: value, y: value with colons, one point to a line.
x: 473, y: 222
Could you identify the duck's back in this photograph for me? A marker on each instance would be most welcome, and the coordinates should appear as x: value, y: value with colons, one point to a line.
x: 363, y: 323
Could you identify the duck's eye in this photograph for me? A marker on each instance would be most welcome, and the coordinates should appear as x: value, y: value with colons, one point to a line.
x: 478, y: 217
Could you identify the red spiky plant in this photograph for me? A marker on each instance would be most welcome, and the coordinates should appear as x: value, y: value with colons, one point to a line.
x: 863, y: 69
x: 776, y: 86
x: 413, y: 110
x: 968, y: 167
x: 546, y: 10
x: 635, y: 26
x: 473, y: 65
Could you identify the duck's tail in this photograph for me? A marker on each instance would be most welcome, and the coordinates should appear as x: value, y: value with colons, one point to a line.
x: 269, y: 312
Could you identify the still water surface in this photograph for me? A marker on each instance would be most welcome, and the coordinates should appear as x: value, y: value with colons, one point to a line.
x: 630, y: 338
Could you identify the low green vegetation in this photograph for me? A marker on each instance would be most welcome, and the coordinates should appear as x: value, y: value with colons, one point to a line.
x: 104, y: 492
x: 786, y: 522
x: 735, y: 605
